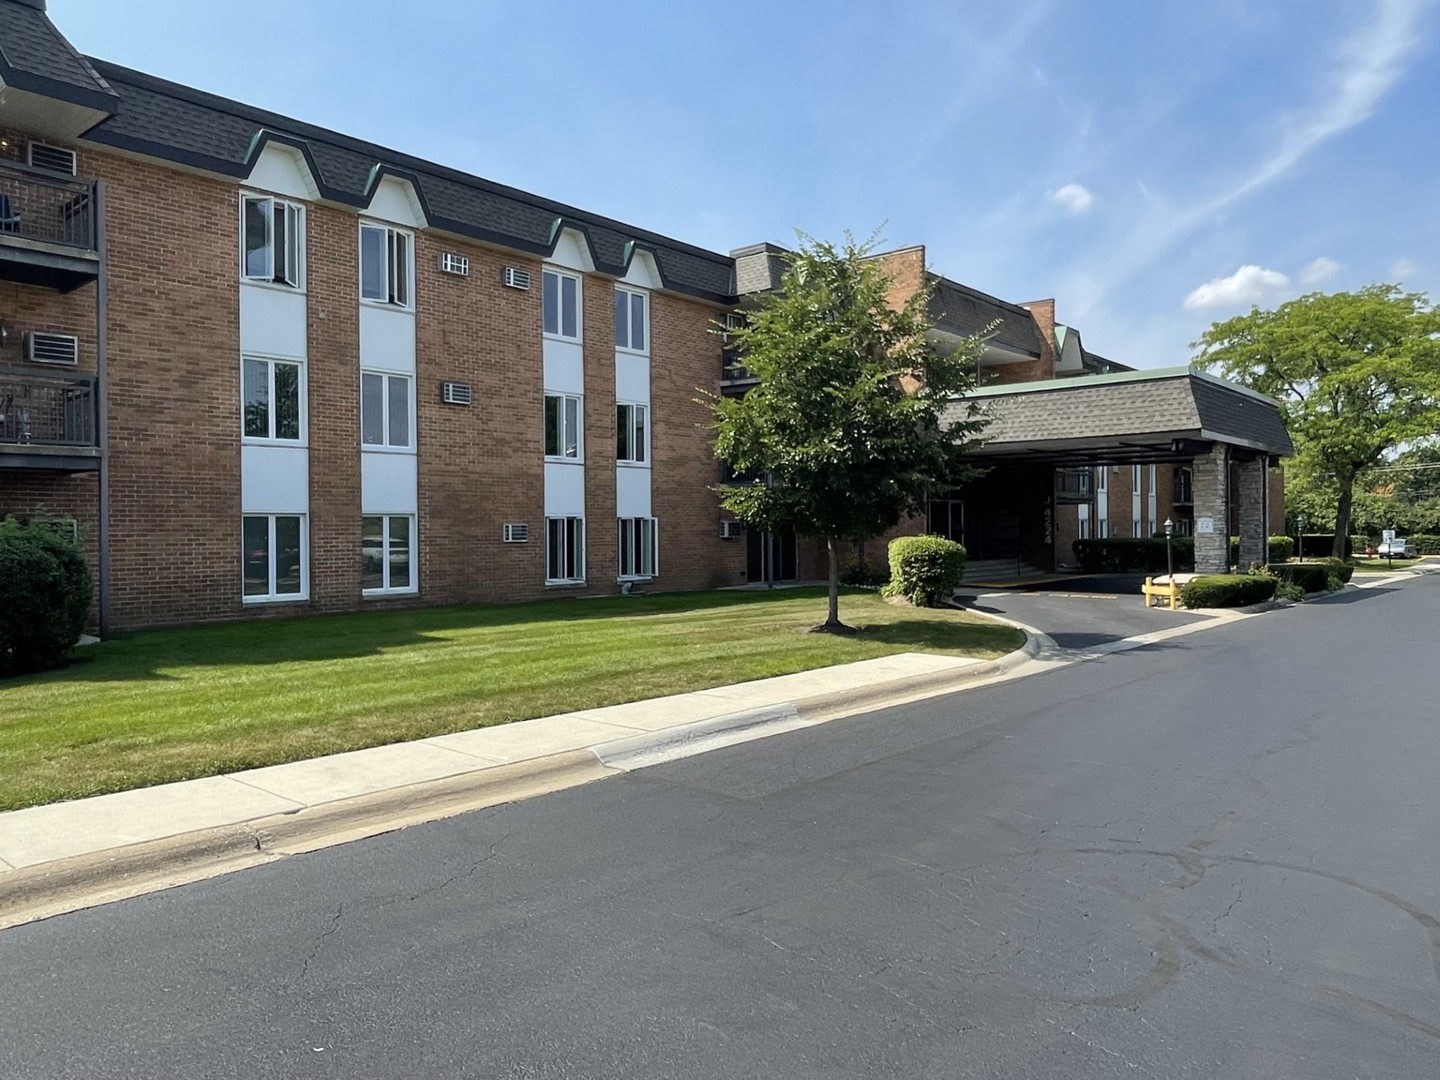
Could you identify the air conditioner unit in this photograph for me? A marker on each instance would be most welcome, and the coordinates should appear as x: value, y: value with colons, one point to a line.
x: 54, y: 159
x: 515, y: 533
x: 516, y: 278
x: 452, y: 263
x: 455, y: 393
x: 51, y: 348
x: 731, y: 530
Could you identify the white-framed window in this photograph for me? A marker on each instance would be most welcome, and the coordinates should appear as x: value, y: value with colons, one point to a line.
x: 272, y: 241
x: 1151, y: 498
x: 564, y: 550
x: 274, y: 557
x: 563, y: 423
x: 560, y: 297
x: 1083, y: 532
x: 272, y: 399
x: 387, y: 554
x: 632, y: 320
x: 387, y: 405
x: 639, y: 548
x: 386, y: 265
x: 632, y: 435
x: 1102, y: 479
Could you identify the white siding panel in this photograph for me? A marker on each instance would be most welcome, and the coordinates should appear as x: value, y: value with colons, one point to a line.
x: 564, y: 367
x: 395, y: 201
x: 572, y: 252
x: 272, y: 321
x: 564, y: 489
x: 282, y: 170
x: 388, y: 484
x: 643, y: 272
x: 632, y: 378
x: 274, y: 480
x: 632, y: 492
x: 387, y: 338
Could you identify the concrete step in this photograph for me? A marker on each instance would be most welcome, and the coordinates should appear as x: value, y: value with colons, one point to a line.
x: 999, y: 570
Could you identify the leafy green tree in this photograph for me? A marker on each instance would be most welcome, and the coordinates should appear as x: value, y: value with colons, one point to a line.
x: 1357, y: 373
x: 851, y: 426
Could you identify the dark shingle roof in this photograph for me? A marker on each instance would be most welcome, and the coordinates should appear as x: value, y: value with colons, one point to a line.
x: 1240, y: 416
x: 35, y: 57
x: 172, y: 122
x: 961, y: 310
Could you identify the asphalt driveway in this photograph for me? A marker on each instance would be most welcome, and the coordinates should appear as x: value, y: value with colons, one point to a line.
x: 1080, y: 613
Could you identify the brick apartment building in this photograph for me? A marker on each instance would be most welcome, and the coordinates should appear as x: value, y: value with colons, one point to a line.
x: 268, y: 369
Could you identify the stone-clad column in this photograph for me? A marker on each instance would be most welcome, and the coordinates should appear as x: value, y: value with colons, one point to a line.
x: 1211, y: 493
x: 1250, y: 494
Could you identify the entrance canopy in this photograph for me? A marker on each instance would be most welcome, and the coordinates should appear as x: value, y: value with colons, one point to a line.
x: 1139, y: 417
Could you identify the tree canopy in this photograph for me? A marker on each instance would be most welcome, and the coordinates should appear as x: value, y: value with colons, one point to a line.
x: 1357, y: 373
x: 848, y: 430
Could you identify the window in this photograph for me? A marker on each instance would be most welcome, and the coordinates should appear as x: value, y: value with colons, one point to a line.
x: 386, y: 554
x: 1083, y: 533
x: 631, y: 435
x: 273, y: 234
x: 272, y: 394
x: 1102, y: 479
x: 273, y: 557
x: 385, y: 265
x: 638, y: 556
x: 564, y: 549
x: 385, y: 410
x: 562, y: 426
x: 632, y: 323
x: 561, y: 302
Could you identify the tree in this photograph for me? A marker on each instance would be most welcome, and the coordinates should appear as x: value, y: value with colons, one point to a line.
x: 850, y: 427
x: 1357, y: 373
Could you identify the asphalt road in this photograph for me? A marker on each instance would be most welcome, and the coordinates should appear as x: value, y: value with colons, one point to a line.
x: 1213, y: 858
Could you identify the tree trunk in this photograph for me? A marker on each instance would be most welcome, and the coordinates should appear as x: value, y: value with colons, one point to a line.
x: 833, y: 618
x: 1342, y: 517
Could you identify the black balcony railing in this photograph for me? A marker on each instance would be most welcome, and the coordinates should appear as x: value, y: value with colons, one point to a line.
x: 44, y: 409
x: 731, y: 369
x: 1184, y: 488
x: 1075, y: 485
x: 51, y: 210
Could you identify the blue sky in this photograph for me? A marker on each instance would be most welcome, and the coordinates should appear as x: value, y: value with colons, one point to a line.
x: 1152, y: 166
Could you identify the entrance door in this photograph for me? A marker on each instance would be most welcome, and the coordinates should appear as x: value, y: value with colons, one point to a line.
x: 771, y: 556
x: 946, y: 517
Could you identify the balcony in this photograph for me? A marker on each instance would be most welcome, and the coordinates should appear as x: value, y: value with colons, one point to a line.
x: 1074, y: 485
x: 48, y: 420
x: 48, y: 233
x: 735, y: 378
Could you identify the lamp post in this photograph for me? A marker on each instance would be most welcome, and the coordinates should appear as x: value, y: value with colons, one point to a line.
x: 1300, y: 535
x: 1169, y: 550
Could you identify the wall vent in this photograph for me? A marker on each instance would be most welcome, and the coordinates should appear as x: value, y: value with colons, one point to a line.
x: 54, y: 159
x: 515, y: 278
x: 51, y: 348
x: 730, y: 530
x: 455, y: 393
x: 516, y: 532
x: 451, y: 263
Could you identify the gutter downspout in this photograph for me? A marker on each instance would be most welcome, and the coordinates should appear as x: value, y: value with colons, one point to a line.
x: 102, y: 386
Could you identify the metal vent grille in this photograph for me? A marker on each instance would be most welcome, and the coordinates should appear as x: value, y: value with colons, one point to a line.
x: 515, y: 278
x: 516, y: 533
x: 455, y: 393
x: 51, y: 158
x: 52, y: 348
x: 451, y: 263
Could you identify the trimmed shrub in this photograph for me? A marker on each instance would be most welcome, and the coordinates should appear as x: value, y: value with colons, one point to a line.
x: 1288, y: 590
x: 1425, y: 543
x: 1278, y: 549
x: 1308, y: 576
x: 1319, y: 545
x: 1227, y: 590
x: 45, y: 594
x: 1339, y: 570
x: 862, y: 575
x: 925, y: 569
x: 1121, y: 555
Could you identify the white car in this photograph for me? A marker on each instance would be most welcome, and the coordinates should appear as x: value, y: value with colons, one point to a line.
x: 1399, y: 548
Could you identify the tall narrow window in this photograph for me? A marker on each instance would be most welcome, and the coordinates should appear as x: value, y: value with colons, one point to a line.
x: 560, y: 296
x: 272, y: 399
x: 386, y: 554
x: 385, y: 265
x: 631, y: 433
x: 562, y: 426
x: 272, y: 240
x: 638, y: 548
x: 564, y: 550
x: 632, y: 323
x: 385, y: 410
x: 273, y: 557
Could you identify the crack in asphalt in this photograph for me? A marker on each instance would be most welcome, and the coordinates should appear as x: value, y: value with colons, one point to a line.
x: 319, y: 943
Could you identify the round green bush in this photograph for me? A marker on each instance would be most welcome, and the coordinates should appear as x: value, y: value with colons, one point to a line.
x: 925, y: 569
x: 45, y: 594
x: 1227, y: 590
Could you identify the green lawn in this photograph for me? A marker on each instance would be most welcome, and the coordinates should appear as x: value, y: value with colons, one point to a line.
x: 1381, y: 566
x: 170, y: 705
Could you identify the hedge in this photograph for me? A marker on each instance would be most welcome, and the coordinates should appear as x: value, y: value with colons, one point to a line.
x: 925, y: 569
x: 1309, y: 576
x: 45, y: 594
x: 1320, y: 545
x: 1124, y: 555
x: 1278, y: 549
x: 1227, y: 590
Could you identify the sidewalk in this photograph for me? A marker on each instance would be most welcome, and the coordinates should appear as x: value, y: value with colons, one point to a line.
x: 93, y: 850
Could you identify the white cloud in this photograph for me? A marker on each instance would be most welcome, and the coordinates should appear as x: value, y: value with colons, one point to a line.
x: 1074, y: 198
x: 1401, y: 269
x: 1248, y: 285
x: 1321, y: 269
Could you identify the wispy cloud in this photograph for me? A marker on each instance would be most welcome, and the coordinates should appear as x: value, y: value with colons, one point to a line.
x: 1401, y: 269
x: 1075, y: 198
x: 1319, y: 270
x: 1248, y: 285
